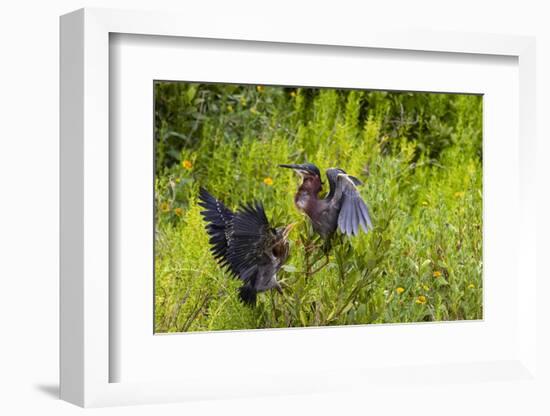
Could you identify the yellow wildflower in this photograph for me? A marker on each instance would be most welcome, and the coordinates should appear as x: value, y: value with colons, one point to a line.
x: 187, y: 164
x: 421, y: 300
x: 399, y: 290
x: 259, y: 88
x: 178, y: 211
x: 437, y: 274
x: 471, y: 286
x: 293, y: 94
x: 165, y: 207
x: 268, y: 181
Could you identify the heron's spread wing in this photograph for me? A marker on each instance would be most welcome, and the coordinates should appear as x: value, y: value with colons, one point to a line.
x: 332, y: 176
x: 353, y: 212
x: 241, y: 241
x: 250, y: 239
x: 219, y: 226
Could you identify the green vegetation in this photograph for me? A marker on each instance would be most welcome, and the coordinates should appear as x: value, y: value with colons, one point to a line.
x: 419, y: 156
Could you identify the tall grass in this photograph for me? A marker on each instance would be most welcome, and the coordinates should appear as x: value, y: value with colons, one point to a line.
x: 419, y: 156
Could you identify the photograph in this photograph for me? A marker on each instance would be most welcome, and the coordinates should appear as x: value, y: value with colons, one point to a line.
x: 299, y: 206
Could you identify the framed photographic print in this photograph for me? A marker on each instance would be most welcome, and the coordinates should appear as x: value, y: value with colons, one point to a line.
x: 401, y: 241
x: 273, y: 214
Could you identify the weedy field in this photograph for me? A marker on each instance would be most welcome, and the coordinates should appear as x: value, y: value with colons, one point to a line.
x: 419, y: 156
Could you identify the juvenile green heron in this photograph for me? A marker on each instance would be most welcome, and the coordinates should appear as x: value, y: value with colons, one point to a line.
x: 244, y: 243
x: 342, y: 208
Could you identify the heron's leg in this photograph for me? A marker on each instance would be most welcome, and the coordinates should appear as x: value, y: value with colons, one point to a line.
x: 327, y: 245
x: 325, y: 253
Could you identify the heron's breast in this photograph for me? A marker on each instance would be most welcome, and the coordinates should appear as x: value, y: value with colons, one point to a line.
x: 302, y: 201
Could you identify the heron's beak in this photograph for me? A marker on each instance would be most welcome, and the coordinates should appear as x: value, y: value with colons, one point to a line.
x: 291, y: 166
x: 287, y: 230
x: 299, y: 169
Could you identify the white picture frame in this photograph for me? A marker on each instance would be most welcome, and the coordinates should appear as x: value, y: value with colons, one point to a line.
x: 86, y: 356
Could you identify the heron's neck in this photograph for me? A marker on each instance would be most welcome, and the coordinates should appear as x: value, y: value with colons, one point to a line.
x: 306, y: 200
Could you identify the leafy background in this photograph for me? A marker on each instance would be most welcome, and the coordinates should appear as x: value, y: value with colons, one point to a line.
x: 419, y: 155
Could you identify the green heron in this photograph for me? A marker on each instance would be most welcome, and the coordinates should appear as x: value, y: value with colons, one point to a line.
x: 245, y: 244
x: 343, y: 207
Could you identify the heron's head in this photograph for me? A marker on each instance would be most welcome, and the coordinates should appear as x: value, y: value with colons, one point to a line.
x: 282, y: 233
x: 281, y: 248
x: 309, y: 174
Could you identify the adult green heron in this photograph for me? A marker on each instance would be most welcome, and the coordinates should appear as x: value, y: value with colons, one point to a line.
x: 343, y: 207
x: 244, y: 243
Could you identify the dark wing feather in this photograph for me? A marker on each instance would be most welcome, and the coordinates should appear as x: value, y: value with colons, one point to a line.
x: 332, y: 176
x: 354, y: 213
x: 250, y: 238
x: 219, y: 227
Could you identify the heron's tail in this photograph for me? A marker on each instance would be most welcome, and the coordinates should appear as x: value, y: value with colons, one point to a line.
x: 248, y: 295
